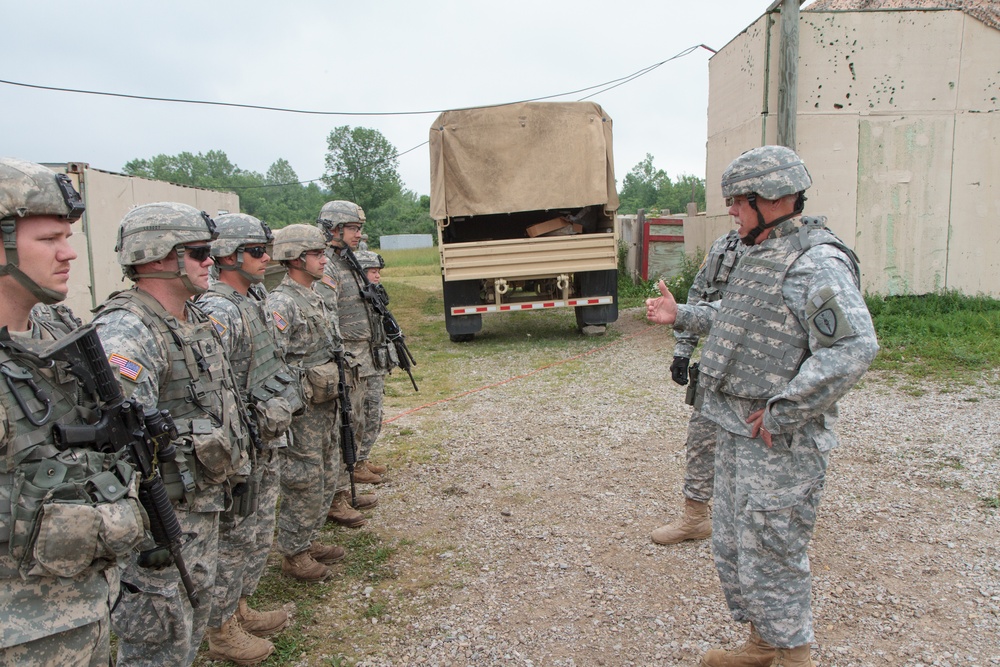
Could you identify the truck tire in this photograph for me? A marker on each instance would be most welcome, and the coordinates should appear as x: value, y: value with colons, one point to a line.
x: 596, y: 283
x: 461, y: 328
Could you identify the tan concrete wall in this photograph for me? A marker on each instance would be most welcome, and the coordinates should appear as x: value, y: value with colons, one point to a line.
x: 108, y: 197
x: 898, y: 120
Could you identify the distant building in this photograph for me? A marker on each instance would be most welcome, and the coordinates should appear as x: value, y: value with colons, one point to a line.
x: 405, y: 241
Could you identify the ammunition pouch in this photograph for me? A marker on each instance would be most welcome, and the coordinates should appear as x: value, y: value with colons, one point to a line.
x: 382, y: 357
x: 323, y: 380
x: 61, y: 523
x: 246, y: 503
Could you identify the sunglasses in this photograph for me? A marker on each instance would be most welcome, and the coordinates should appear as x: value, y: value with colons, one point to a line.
x: 256, y: 251
x: 198, y: 253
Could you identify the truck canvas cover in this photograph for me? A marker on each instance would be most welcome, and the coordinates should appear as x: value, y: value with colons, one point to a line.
x: 530, y: 156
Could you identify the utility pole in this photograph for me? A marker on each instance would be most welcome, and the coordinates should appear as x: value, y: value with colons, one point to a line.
x: 788, y: 71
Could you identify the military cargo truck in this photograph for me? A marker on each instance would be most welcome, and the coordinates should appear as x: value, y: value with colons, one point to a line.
x: 524, y: 200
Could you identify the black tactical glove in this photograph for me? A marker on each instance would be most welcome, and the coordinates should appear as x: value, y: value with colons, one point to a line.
x: 679, y: 370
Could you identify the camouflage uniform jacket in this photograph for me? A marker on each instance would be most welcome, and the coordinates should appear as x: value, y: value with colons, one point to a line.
x: 62, y: 524
x: 822, y: 278
x: 179, y: 366
x: 709, y: 282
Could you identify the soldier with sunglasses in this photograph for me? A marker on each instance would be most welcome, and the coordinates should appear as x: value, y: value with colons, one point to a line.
x: 170, y: 357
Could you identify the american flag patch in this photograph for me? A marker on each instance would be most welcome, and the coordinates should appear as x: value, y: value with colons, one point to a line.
x: 220, y: 328
x: 126, y: 367
x: 329, y: 282
x: 279, y: 321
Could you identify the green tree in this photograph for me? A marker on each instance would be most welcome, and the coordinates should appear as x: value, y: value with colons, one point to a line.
x: 361, y: 166
x: 650, y: 188
x: 404, y: 213
x: 277, y: 197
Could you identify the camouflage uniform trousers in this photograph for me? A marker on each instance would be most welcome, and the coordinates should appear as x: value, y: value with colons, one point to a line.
x: 699, y: 474
x: 244, y: 543
x: 372, y: 415
x: 310, y: 471
x: 765, y: 512
x: 154, y: 620
x: 86, y: 646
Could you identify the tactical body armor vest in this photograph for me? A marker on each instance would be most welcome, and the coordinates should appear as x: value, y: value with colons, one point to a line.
x: 355, y: 321
x: 35, y: 397
x: 198, y: 391
x: 255, y: 367
x: 757, y: 344
x: 319, y: 330
x: 719, y: 264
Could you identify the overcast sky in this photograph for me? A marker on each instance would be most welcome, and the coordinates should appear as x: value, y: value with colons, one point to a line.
x: 374, y: 56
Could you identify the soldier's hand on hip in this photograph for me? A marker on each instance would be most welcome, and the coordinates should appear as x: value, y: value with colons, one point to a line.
x: 679, y: 370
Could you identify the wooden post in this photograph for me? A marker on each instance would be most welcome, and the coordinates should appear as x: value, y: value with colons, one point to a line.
x: 788, y: 73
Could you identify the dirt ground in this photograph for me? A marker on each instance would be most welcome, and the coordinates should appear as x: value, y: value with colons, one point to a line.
x: 522, y: 536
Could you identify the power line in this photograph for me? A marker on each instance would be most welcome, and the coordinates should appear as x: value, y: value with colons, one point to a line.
x: 607, y: 85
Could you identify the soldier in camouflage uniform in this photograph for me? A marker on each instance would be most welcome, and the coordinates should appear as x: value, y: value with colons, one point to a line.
x: 363, y: 338
x: 699, y: 473
x: 66, y: 514
x: 311, y: 464
x: 372, y: 263
x: 235, y: 305
x: 171, y: 358
x: 789, y: 337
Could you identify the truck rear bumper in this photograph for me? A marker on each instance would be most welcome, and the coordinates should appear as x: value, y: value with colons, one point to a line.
x: 482, y: 309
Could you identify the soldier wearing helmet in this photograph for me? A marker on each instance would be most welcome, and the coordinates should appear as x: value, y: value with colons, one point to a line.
x: 170, y: 357
x: 311, y: 465
x: 363, y: 338
x: 54, y: 599
x: 790, y: 336
x: 235, y: 305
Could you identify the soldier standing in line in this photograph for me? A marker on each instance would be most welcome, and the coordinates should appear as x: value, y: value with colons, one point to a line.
x: 311, y: 464
x: 699, y: 473
x: 790, y: 336
x: 372, y: 264
x: 170, y: 358
x: 66, y: 513
x: 235, y: 306
x: 359, y: 325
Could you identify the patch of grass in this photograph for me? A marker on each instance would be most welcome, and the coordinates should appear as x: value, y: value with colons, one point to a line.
x: 946, y: 336
x: 410, y: 258
x: 990, y: 502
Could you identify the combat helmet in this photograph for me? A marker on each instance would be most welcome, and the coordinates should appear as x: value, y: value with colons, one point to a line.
x: 291, y: 241
x: 335, y: 214
x: 237, y: 230
x: 28, y: 189
x: 369, y: 260
x: 767, y: 172
x: 151, y: 231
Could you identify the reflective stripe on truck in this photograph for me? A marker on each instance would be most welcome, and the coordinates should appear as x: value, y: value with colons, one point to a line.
x: 532, y: 305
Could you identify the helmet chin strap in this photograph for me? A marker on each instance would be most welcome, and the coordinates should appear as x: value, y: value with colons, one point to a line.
x: 307, y: 271
x: 181, y: 273
x: 238, y: 268
x: 751, y: 238
x: 45, y: 295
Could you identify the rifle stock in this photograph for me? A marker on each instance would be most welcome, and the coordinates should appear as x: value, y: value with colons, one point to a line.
x: 346, y: 427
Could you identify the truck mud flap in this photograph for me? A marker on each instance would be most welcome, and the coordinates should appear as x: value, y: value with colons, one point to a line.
x: 461, y: 328
x: 592, y: 283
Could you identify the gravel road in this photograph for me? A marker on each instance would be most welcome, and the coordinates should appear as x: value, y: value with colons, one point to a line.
x: 524, y: 539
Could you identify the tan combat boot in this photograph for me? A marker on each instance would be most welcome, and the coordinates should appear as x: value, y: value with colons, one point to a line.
x: 233, y: 643
x: 376, y: 468
x: 793, y: 657
x: 326, y: 554
x: 364, y: 475
x: 260, y: 623
x: 303, y: 567
x: 342, y: 512
x: 755, y: 652
x: 694, y: 524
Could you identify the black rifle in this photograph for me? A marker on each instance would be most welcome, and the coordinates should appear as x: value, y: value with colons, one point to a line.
x: 346, y: 428
x: 379, y: 300
x: 145, y: 437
